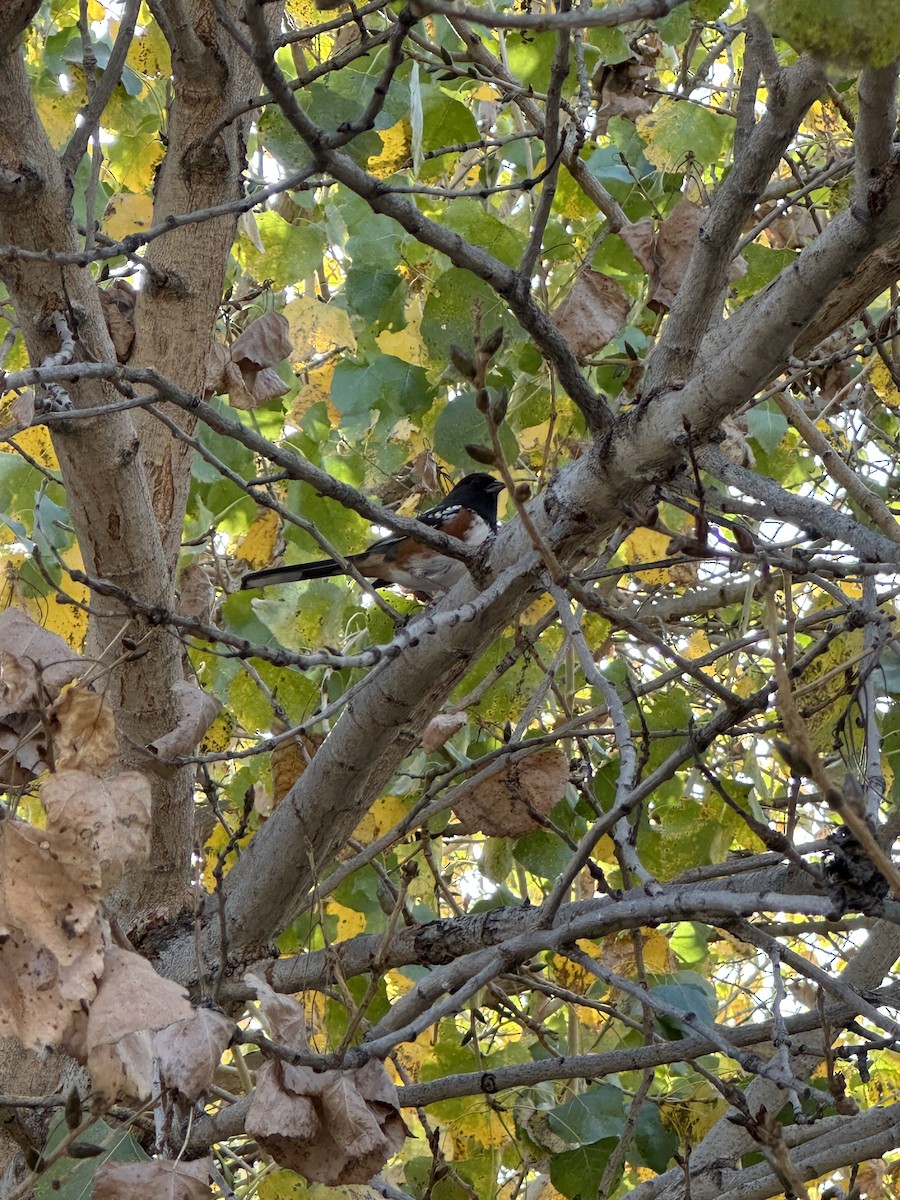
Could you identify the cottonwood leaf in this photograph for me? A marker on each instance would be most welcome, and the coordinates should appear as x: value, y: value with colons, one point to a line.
x: 196, y: 712
x: 132, y: 997
x: 593, y: 312
x: 50, y: 887
x: 123, y: 1069
x: 108, y: 817
x: 286, y: 1017
x: 39, y: 996
x: 196, y: 596
x: 264, y: 343
x: 665, y: 253
x: 153, y: 1180
x: 118, y: 302
x: 83, y: 731
x: 512, y: 802
x: 188, y: 1051
x: 677, y: 129
x: 49, y: 654
x: 440, y: 729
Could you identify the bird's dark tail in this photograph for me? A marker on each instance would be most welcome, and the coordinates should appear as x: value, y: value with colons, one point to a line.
x: 289, y: 574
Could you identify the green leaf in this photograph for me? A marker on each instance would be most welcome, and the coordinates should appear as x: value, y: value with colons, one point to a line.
x: 66, y: 1180
x: 595, y: 1114
x: 386, y: 384
x: 542, y: 854
x: 655, y: 1145
x: 677, y: 131
x: 763, y: 264
x: 675, y: 27
x: 689, y: 942
x: 768, y: 425
x: 471, y: 220
x: 461, y: 424
x: 577, y: 1173
x: 689, y: 1000
x: 376, y: 295
x: 455, y: 299
x: 290, y: 252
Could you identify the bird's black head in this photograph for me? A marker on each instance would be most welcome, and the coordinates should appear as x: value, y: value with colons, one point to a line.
x: 478, y: 491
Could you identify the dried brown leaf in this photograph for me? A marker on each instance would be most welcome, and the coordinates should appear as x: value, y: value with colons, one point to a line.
x: 49, y: 887
x: 344, y: 1131
x: 188, y: 1052
x: 83, y: 731
x: 214, y: 384
x: 39, y: 997
x: 123, y: 1069
x: 22, y: 409
x: 153, y: 1180
x: 131, y: 998
x: 265, y: 342
x: 592, y: 313
x: 440, y: 729
x: 48, y: 653
x: 118, y: 302
x: 665, y: 254
x: 277, y: 1113
x: 109, y: 818
x: 512, y: 802
x: 196, y: 595
x: 196, y: 712
x: 285, y: 1015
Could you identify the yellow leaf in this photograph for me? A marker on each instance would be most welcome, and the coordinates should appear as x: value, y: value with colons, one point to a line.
x: 57, y: 110
x: 384, y: 814
x: 257, y: 546
x: 35, y: 441
x: 219, y: 734
x: 349, y: 921
x: 318, y: 328
x: 484, y: 1126
x: 316, y: 390
x: 571, y: 975
x: 406, y: 344
x: 486, y: 92
x: 149, y: 54
x: 303, y: 11
x: 645, y: 546
x: 883, y: 385
x: 133, y: 159
x: 127, y: 212
x: 395, y: 149
x: 218, y: 840
x: 68, y: 620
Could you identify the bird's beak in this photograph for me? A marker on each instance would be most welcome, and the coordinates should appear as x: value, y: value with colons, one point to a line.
x: 497, y: 486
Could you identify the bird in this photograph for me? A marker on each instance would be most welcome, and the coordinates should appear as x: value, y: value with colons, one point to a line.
x: 467, y: 512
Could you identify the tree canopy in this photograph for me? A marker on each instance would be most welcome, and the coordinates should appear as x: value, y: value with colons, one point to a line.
x: 575, y: 881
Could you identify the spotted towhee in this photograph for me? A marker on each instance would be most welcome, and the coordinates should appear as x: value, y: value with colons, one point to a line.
x: 468, y: 512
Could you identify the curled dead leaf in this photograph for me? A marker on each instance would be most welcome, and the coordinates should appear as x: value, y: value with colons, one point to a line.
x: 333, y: 1127
x: 593, y: 312
x: 83, y: 730
x: 188, y: 1052
x: 512, y: 802
x: 153, y: 1180
x: 289, y: 760
x: 664, y: 253
x: 118, y: 303
x: 109, y: 819
x: 243, y: 371
x: 196, y: 596
x: 196, y: 712
x: 440, y: 729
